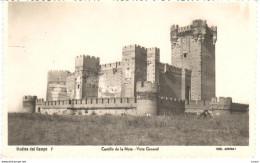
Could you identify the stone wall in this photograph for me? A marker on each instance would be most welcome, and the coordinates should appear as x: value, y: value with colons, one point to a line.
x: 170, y: 106
x: 208, y: 83
x: 193, y: 47
x: 86, y: 77
x: 171, y: 81
x: 99, y: 105
x: 29, y: 103
x: 134, y: 62
x: 70, y: 86
x: 147, y: 98
x: 217, y: 105
x: 153, y: 60
x: 110, y: 80
x: 56, y: 85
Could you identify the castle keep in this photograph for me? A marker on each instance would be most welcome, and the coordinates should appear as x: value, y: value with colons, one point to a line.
x: 140, y: 84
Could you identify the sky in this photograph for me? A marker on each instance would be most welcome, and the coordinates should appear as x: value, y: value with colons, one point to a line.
x: 48, y: 36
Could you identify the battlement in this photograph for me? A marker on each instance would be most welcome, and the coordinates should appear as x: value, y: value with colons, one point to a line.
x: 40, y: 100
x: 29, y: 98
x: 88, y: 57
x: 198, y: 103
x: 146, y: 86
x: 170, y: 100
x: 185, y: 29
x: 223, y: 100
x: 109, y: 66
x: 167, y: 68
x: 133, y: 47
x: 170, y: 106
x: 197, y: 29
x: 199, y: 22
x: 221, y: 103
x: 88, y: 102
x: 153, y: 49
x: 174, y: 27
x: 57, y: 75
x: 214, y: 100
x: 58, y: 71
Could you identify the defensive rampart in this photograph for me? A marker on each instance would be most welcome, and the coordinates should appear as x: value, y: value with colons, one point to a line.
x: 87, y: 106
x: 170, y: 106
x: 217, y: 105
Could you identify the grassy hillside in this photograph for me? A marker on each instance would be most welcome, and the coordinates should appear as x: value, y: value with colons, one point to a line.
x: 38, y: 129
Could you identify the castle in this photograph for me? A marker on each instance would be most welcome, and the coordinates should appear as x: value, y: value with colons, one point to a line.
x: 140, y: 84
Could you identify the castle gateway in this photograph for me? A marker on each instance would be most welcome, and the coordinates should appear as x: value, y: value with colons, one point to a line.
x: 140, y: 84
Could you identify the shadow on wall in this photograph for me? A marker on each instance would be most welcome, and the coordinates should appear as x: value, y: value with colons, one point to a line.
x: 169, y: 86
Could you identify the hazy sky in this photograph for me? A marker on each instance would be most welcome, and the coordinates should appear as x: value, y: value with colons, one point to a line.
x: 48, y: 36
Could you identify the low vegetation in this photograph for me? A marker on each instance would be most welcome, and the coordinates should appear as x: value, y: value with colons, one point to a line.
x: 39, y: 129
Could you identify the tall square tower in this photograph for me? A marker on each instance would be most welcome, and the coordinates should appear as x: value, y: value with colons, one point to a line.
x: 86, y: 77
x: 193, y: 47
x: 134, y: 69
x: 153, y: 60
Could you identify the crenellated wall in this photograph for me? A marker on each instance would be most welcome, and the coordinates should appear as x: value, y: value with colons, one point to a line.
x: 110, y: 66
x: 221, y: 104
x: 88, y: 105
x: 238, y: 107
x: 170, y: 106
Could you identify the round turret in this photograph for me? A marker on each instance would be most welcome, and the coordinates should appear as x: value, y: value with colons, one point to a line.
x: 146, y: 98
x: 29, y: 104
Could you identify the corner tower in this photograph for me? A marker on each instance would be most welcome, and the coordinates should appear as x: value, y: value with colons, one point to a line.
x: 193, y: 47
x: 29, y: 104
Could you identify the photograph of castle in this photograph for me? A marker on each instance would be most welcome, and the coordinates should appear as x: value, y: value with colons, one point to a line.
x: 140, y: 84
x: 135, y: 91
